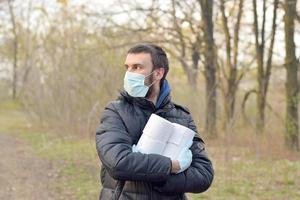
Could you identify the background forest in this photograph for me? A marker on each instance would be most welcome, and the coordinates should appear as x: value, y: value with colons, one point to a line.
x: 233, y: 63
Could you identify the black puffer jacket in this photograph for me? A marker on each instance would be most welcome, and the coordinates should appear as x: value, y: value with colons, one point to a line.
x: 147, y: 176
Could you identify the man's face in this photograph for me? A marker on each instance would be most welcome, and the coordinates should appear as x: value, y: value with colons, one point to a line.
x: 140, y: 63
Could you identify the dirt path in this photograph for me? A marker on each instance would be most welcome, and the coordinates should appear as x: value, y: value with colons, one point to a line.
x: 24, y: 176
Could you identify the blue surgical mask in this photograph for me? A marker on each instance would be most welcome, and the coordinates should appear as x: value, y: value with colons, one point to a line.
x: 134, y: 84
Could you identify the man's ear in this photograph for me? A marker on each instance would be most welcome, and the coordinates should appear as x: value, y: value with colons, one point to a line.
x: 160, y: 73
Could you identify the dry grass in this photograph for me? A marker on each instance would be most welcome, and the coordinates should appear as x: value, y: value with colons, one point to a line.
x: 252, y: 166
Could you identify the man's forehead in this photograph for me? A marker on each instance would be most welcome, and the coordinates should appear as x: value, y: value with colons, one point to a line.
x: 138, y: 58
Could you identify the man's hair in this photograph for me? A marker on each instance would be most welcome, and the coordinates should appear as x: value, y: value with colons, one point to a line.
x: 158, y: 55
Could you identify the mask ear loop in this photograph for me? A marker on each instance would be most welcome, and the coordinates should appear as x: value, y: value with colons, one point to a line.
x: 152, y: 82
x: 149, y: 74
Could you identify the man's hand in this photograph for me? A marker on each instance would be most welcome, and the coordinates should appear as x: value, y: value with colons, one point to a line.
x: 175, y: 167
x: 185, y: 159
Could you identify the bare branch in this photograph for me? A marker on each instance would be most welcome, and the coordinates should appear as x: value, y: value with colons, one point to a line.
x: 246, y: 96
x: 270, y: 52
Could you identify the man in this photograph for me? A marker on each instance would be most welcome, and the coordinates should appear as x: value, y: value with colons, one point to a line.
x: 128, y: 174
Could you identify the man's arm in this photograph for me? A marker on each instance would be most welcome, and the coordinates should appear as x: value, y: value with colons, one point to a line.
x: 114, y: 149
x: 197, y: 178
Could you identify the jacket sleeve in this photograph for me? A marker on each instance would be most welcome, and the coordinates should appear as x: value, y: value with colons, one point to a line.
x: 197, y: 178
x: 114, y: 147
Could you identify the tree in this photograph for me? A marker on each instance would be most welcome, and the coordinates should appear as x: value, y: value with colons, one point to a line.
x: 15, y: 49
x: 231, y: 67
x: 263, y: 68
x: 210, y: 67
x: 292, y: 88
x: 187, y: 50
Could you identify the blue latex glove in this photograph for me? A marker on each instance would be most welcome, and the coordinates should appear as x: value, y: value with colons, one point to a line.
x: 185, y: 157
x: 189, y: 144
x: 135, y: 148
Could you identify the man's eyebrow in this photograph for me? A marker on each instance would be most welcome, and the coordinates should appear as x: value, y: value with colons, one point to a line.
x: 138, y: 64
x: 134, y: 64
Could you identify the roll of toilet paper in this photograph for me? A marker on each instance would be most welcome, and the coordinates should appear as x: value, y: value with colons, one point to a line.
x: 179, y: 139
x: 149, y: 145
x: 163, y: 137
x: 172, y: 151
x: 182, y: 135
x: 177, y: 136
x: 158, y: 128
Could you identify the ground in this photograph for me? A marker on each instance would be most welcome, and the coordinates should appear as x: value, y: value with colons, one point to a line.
x: 23, y: 175
x: 34, y: 165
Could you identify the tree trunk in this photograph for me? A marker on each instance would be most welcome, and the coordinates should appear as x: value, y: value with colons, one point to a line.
x: 230, y: 103
x: 192, y: 78
x: 231, y: 81
x: 15, y: 47
x: 210, y: 67
x: 263, y: 69
x: 260, y: 109
x: 291, y: 64
x: 190, y: 73
x: 211, y: 104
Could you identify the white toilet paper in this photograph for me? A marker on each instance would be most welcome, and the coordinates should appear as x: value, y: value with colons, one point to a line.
x: 185, y: 134
x: 172, y: 151
x: 158, y: 128
x: 163, y: 137
x: 148, y: 145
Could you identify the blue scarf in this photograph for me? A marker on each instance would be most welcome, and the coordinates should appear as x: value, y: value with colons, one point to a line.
x: 164, y: 92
